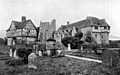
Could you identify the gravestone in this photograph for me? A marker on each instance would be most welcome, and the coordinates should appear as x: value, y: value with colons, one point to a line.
x: 59, y: 52
x: 48, y: 52
x: 40, y: 53
x: 15, y: 54
x: 10, y: 54
x: 69, y: 47
x: 31, y: 59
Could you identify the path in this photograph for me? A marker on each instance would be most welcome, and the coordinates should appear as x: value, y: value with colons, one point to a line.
x: 83, y: 58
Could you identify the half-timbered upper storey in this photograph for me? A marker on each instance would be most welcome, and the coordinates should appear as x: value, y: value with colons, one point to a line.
x: 25, y: 28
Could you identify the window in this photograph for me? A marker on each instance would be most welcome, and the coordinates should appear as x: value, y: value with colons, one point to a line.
x: 96, y: 35
x: 96, y: 27
x: 77, y: 29
x: 102, y: 36
x: 66, y: 30
x: 108, y: 27
x: 105, y: 27
x: 98, y: 23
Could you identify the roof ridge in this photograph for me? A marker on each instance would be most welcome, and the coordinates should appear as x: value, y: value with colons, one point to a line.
x: 16, y: 21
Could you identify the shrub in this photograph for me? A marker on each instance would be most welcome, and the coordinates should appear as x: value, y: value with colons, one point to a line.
x: 15, y: 62
x: 110, y: 58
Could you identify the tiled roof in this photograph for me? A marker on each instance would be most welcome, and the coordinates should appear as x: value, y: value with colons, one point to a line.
x: 20, y: 25
x: 85, y: 23
x: 81, y: 24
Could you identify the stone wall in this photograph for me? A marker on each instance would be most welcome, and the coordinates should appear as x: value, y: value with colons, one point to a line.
x: 46, y: 29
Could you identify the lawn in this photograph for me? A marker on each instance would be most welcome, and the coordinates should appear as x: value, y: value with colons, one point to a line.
x: 52, y: 66
x: 86, y: 54
x: 47, y: 66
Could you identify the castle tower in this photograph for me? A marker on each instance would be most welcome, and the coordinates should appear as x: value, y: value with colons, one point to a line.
x: 46, y: 29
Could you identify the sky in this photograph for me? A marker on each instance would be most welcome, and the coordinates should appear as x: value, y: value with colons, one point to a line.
x: 61, y: 10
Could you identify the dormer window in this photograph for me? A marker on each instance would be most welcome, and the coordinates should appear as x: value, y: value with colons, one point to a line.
x: 66, y: 30
x: 98, y: 23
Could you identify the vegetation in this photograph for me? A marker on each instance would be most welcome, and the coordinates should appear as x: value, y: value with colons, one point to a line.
x: 110, y: 65
x: 2, y: 41
x: 74, y: 41
x: 53, y: 66
x: 114, y: 44
x: 15, y: 62
x: 89, y: 38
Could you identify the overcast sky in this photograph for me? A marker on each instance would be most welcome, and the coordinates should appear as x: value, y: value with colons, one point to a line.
x: 62, y: 11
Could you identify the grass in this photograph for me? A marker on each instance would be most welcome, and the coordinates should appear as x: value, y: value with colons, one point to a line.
x: 48, y: 66
x: 63, y: 65
x: 57, y: 66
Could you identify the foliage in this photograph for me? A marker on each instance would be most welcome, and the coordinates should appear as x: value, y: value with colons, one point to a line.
x: 67, y: 40
x: 58, y: 45
x: 5, y: 40
x: 42, y: 46
x: 14, y: 62
x: 74, y: 41
x: 2, y: 41
x: 110, y: 65
x: 23, y: 53
x: 110, y: 58
x: 79, y: 35
x: 89, y: 37
x: 114, y: 44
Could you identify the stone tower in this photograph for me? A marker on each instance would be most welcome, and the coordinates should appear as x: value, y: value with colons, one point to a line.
x: 46, y: 29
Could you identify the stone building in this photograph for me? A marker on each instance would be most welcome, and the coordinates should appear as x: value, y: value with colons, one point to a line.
x: 21, y: 32
x: 98, y: 28
x: 46, y: 29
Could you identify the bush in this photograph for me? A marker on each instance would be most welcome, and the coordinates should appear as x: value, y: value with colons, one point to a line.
x: 42, y: 47
x: 73, y: 41
x: 23, y: 53
x: 110, y: 58
x: 15, y: 62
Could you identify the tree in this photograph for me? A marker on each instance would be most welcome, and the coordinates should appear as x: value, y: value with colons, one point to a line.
x: 74, y: 41
x: 5, y: 39
x: 89, y: 37
x: 79, y: 35
x: 2, y: 41
x: 67, y: 40
x: 110, y: 58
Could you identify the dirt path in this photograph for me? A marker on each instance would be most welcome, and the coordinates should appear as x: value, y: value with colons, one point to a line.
x: 83, y: 58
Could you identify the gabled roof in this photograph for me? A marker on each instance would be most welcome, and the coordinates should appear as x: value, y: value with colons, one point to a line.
x: 89, y: 21
x: 83, y: 23
x: 20, y: 25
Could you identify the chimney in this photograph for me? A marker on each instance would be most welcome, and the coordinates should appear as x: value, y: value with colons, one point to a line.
x: 68, y: 22
x: 23, y: 18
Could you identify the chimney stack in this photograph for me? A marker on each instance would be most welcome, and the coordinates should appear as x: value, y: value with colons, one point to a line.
x: 23, y: 18
x: 68, y: 22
